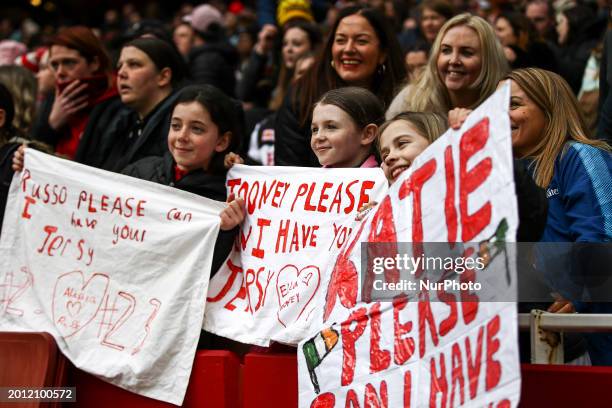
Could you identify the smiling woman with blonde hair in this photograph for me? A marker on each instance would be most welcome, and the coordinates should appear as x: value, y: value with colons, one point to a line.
x: 465, y: 64
x: 563, y: 127
x: 548, y: 128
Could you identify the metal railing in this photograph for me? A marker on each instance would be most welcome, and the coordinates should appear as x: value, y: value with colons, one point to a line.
x: 546, y: 331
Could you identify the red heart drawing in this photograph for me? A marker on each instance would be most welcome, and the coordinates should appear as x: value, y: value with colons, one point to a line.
x: 76, y: 302
x: 295, y: 290
x: 74, y: 308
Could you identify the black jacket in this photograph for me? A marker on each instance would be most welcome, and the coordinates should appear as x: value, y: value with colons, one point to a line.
x: 125, y: 139
x: 292, y: 140
x: 161, y: 170
x: 256, y: 84
x: 572, y: 59
x: 214, y: 63
x: 538, y: 55
x: 532, y: 204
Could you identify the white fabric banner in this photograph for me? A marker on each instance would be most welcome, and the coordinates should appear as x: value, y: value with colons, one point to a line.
x: 115, y: 268
x: 426, y: 347
x: 297, y: 218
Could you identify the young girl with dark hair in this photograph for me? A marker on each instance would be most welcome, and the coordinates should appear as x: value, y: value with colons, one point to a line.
x: 344, y: 126
x: 203, y: 128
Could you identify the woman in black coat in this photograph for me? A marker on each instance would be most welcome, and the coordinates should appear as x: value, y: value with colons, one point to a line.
x: 521, y: 45
x: 578, y: 33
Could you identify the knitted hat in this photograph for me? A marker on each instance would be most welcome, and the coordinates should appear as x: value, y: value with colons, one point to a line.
x: 32, y: 60
x: 293, y: 9
x: 10, y: 50
x: 203, y: 16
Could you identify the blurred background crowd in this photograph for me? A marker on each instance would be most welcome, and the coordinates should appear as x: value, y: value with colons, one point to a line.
x: 253, y: 50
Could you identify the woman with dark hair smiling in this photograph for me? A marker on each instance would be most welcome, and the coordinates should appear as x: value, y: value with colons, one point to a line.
x: 360, y: 51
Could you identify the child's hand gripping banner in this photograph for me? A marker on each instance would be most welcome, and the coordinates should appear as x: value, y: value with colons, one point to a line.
x: 297, y: 218
x: 115, y: 268
x: 396, y: 328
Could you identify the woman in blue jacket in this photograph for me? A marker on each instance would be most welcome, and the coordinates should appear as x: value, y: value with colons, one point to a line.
x: 548, y: 128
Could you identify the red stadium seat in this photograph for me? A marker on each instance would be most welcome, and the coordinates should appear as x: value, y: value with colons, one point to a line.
x: 270, y: 380
x: 31, y: 360
x: 213, y: 384
x: 214, y: 380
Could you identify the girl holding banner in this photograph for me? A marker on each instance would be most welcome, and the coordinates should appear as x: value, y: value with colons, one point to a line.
x: 400, y: 140
x: 404, y: 137
x: 203, y: 129
x: 344, y: 126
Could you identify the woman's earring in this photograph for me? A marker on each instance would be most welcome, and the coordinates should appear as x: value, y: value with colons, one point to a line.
x: 381, y: 69
x: 332, y: 64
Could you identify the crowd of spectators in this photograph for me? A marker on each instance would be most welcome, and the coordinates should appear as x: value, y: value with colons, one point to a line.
x: 177, y: 99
